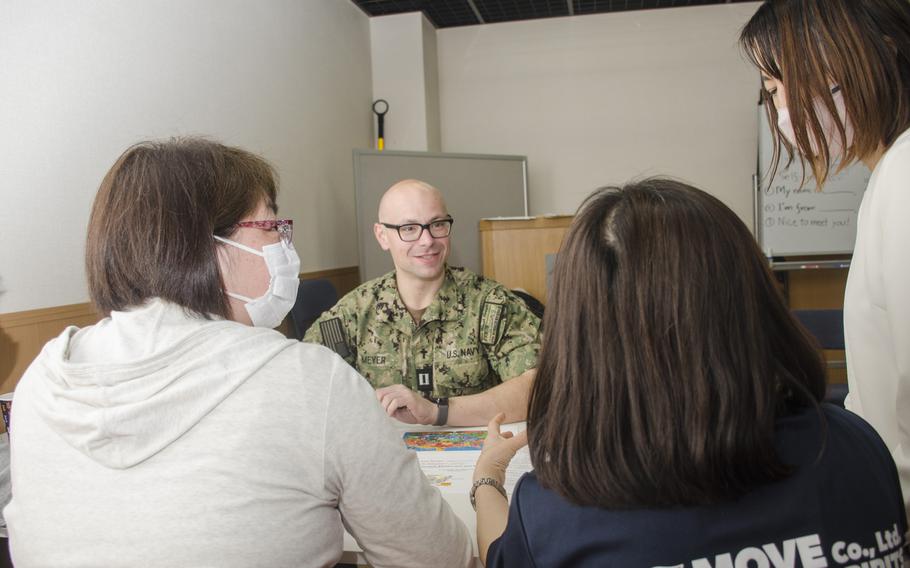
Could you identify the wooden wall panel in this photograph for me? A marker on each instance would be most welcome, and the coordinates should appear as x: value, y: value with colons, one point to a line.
x: 23, y: 334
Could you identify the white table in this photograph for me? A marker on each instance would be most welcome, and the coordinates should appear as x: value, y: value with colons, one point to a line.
x: 456, y: 496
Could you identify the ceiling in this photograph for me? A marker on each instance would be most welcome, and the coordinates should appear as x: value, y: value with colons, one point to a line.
x: 452, y: 13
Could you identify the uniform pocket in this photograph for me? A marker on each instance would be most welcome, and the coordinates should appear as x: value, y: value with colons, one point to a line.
x: 464, y: 375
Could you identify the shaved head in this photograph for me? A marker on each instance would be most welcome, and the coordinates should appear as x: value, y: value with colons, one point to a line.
x: 395, y: 200
x: 413, y: 202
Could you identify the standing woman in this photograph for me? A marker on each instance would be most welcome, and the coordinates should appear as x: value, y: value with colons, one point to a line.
x: 836, y: 77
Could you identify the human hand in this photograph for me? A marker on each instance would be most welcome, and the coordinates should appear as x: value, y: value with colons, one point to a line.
x: 498, y: 450
x: 405, y: 405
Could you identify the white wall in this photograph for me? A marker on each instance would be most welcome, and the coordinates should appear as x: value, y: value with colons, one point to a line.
x: 598, y: 100
x: 80, y: 81
x: 590, y: 100
x: 403, y: 51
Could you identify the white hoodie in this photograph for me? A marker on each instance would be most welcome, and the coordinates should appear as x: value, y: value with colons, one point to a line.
x: 156, y: 438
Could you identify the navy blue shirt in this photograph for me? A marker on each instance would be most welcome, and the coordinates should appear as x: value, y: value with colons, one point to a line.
x: 843, y: 508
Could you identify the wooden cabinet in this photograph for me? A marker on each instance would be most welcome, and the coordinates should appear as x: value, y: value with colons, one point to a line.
x: 818, y: 289
x: 514, y: 251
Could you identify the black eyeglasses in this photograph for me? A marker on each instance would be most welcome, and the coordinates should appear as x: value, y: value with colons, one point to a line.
x: 410, y: 232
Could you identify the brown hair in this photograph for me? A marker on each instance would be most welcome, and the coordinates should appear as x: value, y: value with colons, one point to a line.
x: 151, y: 226
x: 668, y: 355
x: 863, y: 46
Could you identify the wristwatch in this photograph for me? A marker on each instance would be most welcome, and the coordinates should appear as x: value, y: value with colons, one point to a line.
x: 487, y: 481
x: 442, y: 414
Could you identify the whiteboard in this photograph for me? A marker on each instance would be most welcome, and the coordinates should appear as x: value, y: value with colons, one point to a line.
x: 794, y: 220
x: 475, y: 186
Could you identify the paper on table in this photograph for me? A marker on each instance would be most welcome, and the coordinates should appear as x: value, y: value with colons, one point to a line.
x: 447, y: 458
x: 520, y: 465
x: 445, y: 440
x: 451, y: 472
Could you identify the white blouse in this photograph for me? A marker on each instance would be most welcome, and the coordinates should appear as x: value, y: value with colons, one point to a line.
x: 877, y: 307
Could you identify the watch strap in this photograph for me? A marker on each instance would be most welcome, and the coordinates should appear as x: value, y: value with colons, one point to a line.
x: 442, y: 412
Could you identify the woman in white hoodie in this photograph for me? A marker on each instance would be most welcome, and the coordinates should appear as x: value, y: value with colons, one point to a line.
x: 182, y: 431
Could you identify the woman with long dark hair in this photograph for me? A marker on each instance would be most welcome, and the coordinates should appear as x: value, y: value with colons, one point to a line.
x: 676, y: 418
x: 836, y: 76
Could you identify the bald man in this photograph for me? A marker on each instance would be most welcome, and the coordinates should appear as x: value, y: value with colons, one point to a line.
x: 441, y: 344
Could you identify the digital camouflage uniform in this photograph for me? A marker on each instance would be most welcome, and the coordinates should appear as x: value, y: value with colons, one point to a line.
x: 474, y: 335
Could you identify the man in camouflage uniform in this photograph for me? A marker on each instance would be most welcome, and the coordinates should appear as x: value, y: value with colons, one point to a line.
x: 426, y: 331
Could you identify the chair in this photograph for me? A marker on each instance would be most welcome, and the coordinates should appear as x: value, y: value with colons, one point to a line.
x: 313, y: 298
x: 827, y: 326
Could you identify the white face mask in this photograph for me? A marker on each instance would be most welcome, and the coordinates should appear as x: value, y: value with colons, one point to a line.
x: 829, y: 127
x: 283, y: 263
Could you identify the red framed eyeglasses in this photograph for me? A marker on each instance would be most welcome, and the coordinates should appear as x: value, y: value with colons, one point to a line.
x: 285, y: 227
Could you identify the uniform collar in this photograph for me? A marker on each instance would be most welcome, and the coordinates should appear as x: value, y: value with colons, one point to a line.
x: 389, y: 307
x: 447, y: 305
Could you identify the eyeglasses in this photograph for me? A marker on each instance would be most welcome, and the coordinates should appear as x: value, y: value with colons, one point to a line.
x: 410, y: 232
x: 285, y: 227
